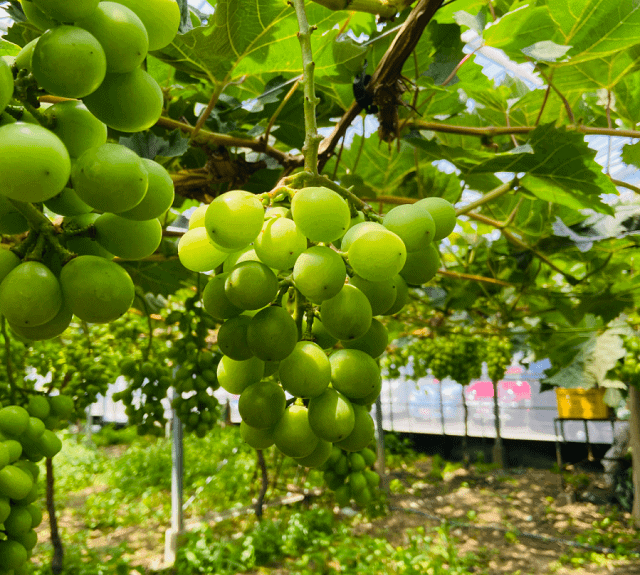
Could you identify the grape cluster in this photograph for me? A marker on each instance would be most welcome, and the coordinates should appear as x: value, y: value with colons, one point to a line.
x: 25, y: 438
x: 498, y: 355
x: 350, y: 475
x: 628, y: 368
x: 343, y: 271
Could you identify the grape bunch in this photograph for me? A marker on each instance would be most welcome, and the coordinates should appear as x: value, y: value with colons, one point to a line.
x: 627, y: 369
x: 25, y: 438
x: 342, y: 271
x: 498, y: 355
x: 442, y: 355
x: 350, y: 475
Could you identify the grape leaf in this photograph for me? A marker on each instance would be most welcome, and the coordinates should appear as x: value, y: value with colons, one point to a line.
x: 159, y: 278
x: 148, y: 145
x: 631, y: 154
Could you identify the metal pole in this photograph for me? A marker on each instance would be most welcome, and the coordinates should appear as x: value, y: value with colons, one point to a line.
x: 89, y: 425
x: 177, y: 516
x: 381, y: 463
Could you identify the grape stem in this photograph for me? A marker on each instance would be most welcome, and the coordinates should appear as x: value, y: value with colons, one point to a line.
x: 8, y: 362
x: 312, y: 139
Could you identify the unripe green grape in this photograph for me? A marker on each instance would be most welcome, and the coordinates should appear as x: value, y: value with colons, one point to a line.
x: 8, y: 261
x: 402, y: 295
x: 256, y: 438
x: 215, y: 300
x: 110, y: 178
x: 14, y: 483
x: 196, y: 220
x: 373, y: 343
x: 262, y: 404
x: 13, y: 555
x: 23, y: 58
x: 320, y: 214
x: 11, y: 220
x: 14, y: 446
x: 18, y: 522
x: 251, y: 285
x: 68, y: 203
x: 232, y: 338
x: 369, y: 456
x: 363, y: 431
x: 234, y: 376
x: 443, y: 214
x: 293, y: 435
x: 413, y: 225
x: 83, y: 245
x: 272, y: 334
x: 14, y: 421
x: 198, y: 253
x: 61, y: 406
x: 38, y: 406
x: 28, y: 540
x: 363, y: 497
x: 67, y: 10
x: 78, y: 128
x: 68, y: 61
x: 128, y: 239
x: 159, y: 196
x: 161, y: 18
x: 421, y: 266
x: 234, y: 219
x: 277, y: 212
x: 356, y: 478
x: 279, y: 243
x: 121, y: 34
x: 346, y: 316
x: 129, y: 102
x: 5, y: 507
x: 36, y: 515
x: 354, y: 373
x: 30, y: 295
x: 306, y: 372
x: 96, y: 290
x: 34, y: 163
x: 36, y: 16
x: 247, y: 254
x: 356, y: 231
x: 331, y: 415
x: 319, y: 273
x: 342, y: 495
x: 321, y: 336
x: 332, y: 479
x: 48, y: 330
x: 318, y: 456
x: 381, y: 295
x: 6, y: 84
x: 377, y: 255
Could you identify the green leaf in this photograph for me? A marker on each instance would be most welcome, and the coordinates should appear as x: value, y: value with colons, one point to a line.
x: 8, y: 48
x: 631, y: 154
x: 159, y: 278
x: 627, y: 98
x: 546, y: 51
x: 607, y: 351
x: 446, y: 42
x: 148, y: 145
x: 21, y: 33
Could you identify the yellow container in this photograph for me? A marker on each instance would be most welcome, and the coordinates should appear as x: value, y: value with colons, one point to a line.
x: 578, y: 403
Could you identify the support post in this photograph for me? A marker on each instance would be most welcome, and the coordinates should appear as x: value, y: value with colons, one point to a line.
x: 380, y: 464
x: 89, y: 425
x: 172, y: 535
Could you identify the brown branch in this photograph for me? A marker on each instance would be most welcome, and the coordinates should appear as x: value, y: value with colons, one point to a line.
x: 622, y: 184
x: 207, y: 111
x: 475, y: 278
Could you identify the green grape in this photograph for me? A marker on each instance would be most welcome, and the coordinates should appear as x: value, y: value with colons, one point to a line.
x: 321, y: 336
x: 129, y: 102
x: 198, y: 253
x: 35, y: 429
x: 256, y: 438
x: 293, y: 435
x: 36, y: 515
x: 413, y: 225
x: 14, y: 483
x: 354, y: 373
x: 67, y: 203
x: 13, y: 555
x: 5, y: 505
x: 67, y: 10
x: 306, y: 372
x: 110, y: 178
x: 68, y: 61
x: 356, y: 231
x: 14, y: 447
x: 128, y: 239
x: 443, y: 214
x: 247, y: 254
x: 421, y: 266
x: 83, y: 245
x: 262, y: 404
x: 346, y: 316
x: 161, y: 18
x: 11, y: 220
x: 272, y: 334
x: 381, y: 295
x: 318, y: 456
x: 14, y: 421
x: 215, y: 300
x: 369, y: 456
x: 78, y: 128
x: 331, y: 415
x: 30, y: 295
x: 6, y: 84
x: 121, y: 34
x: 277, y: 212
x: 363, y: 431
x: 319, y: 273
x: 38, y: 407
x: 402, y: 295
x: 159, y: 196
x: 373, y: 479
x: 34, y: 163
x: 234, y: 219
x: 279, y: 243
x: 320, y: 214
x: 36, y: 16
x: 251, y: 285
x: 357, y: 480
x: 377, y: 255
x: 373, y: 343
x: 48, y: 330
x: 23, y: 58
x: 197, y: 217
x: 96, y: 290
x: 234, y: 376
x: 8, y: 261
x: 232, y: 338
